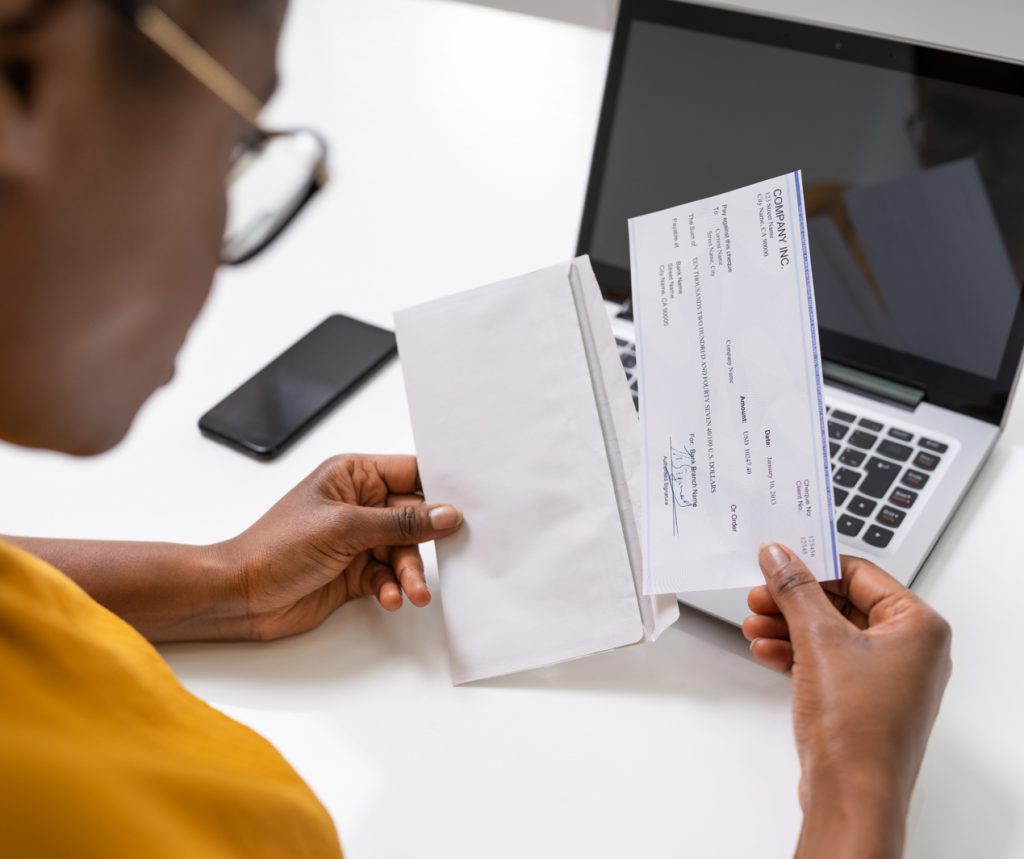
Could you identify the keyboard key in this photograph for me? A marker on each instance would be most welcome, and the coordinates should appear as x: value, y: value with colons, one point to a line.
x: 936, y: 446
x: 901, y: 435
x: 628, y: 359
x: 862, y: 506
x: 636, y: 402
x: 621, y: 343
x: 874, y: 426
x: 863, y: 439
x: 839, y: 496
x: 852, y: 458
x: 914, y: 479
x: 899, y: 452
x: 880, y: 476
x: 903, y: 498
x: 846, y: 478
x: 878, y: 537
x: 837, y: 431
x: 634, y: 386
x: 849, y: 526
x: 927, y: 461
x: 891, y: 516
x: 843, y: 416
x: 833, y: 448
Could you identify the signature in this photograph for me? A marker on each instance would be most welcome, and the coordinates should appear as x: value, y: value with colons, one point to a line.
x: 680, y: 468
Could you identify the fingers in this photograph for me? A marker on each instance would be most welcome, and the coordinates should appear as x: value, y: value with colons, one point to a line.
x: 380, y: 582
x: 368, y: 577
x: 361, y: 478
x: 760, y: 601
x: 836, y: 593
x: 400, y: 473
x: 765, y: 626
x: 406, y: 560
x: 408, y: 567
x: 794, y: 590
x: 773, y: 653
x: 872, y: 591
x: 365, y: 528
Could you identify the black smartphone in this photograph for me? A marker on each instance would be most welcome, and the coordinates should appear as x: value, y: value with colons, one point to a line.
x: 287, y: 397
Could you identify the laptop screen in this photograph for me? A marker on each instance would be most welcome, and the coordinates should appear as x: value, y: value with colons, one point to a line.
x: 913, y: 165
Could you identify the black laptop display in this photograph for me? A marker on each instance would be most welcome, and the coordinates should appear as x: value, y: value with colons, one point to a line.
x: 913, y: 162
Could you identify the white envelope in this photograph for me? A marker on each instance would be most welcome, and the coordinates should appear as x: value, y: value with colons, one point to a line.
x: 523, y: 418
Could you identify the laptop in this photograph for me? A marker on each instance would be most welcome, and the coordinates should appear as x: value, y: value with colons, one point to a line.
x: 913, y: 165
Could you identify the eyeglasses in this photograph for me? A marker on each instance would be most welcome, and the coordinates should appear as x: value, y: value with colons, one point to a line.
x: 274, y: 174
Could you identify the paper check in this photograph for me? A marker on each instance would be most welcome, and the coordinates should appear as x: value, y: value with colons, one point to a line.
x: 736, y: 450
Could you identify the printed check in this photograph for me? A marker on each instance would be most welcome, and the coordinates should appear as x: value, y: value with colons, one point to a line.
x: 731, y: 403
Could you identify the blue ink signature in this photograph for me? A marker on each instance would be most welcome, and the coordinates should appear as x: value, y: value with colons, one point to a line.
x: 679, y: 472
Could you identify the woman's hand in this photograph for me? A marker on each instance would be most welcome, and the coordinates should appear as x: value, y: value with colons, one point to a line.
x: 869, y: 662
x: 349, y: 530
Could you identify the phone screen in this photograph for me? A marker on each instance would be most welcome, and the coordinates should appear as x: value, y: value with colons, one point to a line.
x: 286, y: 397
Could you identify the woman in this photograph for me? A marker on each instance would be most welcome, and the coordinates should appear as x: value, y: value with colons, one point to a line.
x: 117, y: 132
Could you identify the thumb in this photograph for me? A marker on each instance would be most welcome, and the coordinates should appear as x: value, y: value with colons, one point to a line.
x: 374, y: 527
x: 795, y: 590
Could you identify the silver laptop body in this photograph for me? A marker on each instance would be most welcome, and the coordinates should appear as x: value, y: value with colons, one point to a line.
x: 913, y: 159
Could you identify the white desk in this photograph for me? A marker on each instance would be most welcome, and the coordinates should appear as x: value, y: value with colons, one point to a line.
x: 461, y: 139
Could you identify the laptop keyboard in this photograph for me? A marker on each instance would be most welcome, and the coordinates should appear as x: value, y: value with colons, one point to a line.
x: 882, y: 473
x: 627, y: 354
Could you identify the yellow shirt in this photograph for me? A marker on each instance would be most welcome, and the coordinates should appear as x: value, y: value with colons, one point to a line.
x: 104, y: 754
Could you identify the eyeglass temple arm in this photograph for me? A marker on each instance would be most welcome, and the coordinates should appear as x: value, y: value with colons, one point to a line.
x: 167, y: 35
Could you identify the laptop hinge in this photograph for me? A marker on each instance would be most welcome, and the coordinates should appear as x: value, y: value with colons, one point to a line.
x: 872, y: 386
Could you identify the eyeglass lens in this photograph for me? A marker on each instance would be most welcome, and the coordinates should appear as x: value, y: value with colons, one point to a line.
x: 267, y: 186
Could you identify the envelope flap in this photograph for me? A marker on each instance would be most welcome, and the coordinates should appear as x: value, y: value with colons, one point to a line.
x: 621, y: 428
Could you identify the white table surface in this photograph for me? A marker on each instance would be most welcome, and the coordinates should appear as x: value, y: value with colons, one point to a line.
x: 461, y: 139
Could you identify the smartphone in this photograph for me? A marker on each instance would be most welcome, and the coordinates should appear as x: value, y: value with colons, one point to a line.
x: 288, y: 396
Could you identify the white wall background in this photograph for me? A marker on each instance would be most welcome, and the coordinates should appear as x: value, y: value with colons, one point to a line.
x: 590, y: 13
x: 986, y: 26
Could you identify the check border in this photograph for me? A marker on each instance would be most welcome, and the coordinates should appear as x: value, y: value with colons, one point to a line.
x: 797, y: 177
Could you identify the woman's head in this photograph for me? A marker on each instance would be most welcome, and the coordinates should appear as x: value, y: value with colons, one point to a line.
x: 113, y: 163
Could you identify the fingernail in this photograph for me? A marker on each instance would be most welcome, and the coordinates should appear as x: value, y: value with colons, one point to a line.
x: 776, y: 557
x: 755, y: 641
x: 445, y: 518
